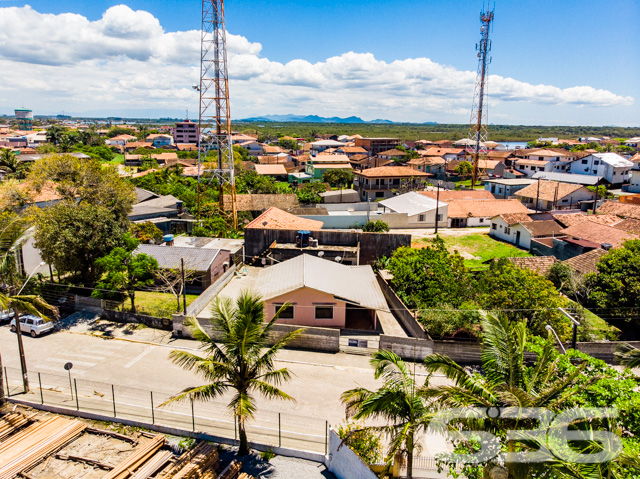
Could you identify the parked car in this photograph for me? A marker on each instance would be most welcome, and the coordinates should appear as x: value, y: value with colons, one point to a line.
x: 32, y: 324
x: 6, y: 315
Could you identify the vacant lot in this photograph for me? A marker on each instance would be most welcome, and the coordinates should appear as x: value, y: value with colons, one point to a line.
x: 477, y: 248
x: 161, y: 305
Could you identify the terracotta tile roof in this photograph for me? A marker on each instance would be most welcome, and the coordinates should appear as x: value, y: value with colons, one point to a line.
x: 499, y: 154
x: 272, y: 160
x: 260, y: 202
x: 532, y: 162
x: 352, y: 149
x: 271, y: 149
x: 139, y: 144
x: 625, y: 210
x: 484, y: 208
x: 270, y: 169
x: 391, y: 171
x: 537, y: 264
x: 427, y: 160
x: 281, y: 220
x: 358, y: 158
x: 543, y: 228
x: 597, y: 233
x: 435, y: 151
x: 586, y: 262
x: 393, y: 152
x: 47, y: 192
x: 515, y: 218
x: 629, y: 225
x: 452, y: 195
x: 569, y: 219
x: 548, y: 190
x: 548, y: 153
x: 608, y: 220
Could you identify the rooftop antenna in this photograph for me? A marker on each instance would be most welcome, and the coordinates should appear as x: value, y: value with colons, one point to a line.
x: 478, y: 125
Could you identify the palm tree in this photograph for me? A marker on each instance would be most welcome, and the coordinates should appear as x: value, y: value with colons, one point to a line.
x: 628, y: 356
x: 54, y: 134
x: 236, y: 359
x: 10, y: 162
x: 399, y: 401
x: 26, y: 304
x: 12, y: 235
x: 506, y: 382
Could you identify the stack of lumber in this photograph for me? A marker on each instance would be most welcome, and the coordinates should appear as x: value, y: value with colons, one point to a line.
x: 231, y: 471
x: 199, y: 462
x: 244, y: 475
x: 136, y: 459
x: 32, y: 444
x: 11, y: 423
x: 153, y: 465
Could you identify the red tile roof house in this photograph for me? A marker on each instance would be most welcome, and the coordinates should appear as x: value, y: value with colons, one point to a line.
x: 381, y: 182
x: 321, y: 293
x: 467, y: 213
x: 519, y: 229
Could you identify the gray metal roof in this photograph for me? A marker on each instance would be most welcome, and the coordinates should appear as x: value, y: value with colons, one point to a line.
x: 162, y: 205
x: 411, y: 203
x: 195, y: 259
x: 574, y: 179
x: 354, y: 284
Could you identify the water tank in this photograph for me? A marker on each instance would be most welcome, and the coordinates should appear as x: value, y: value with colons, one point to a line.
x: 23, y: 113
x: 304, y: 235
x: 167, y: 238
x: 606, y: 246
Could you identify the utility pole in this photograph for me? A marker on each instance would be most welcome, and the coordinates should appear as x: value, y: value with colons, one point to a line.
x: 538, y: 195
x: 479, y: 128
x: 437, y: 205
x: 184, y: 288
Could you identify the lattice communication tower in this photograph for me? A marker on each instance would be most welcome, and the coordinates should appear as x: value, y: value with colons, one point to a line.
x: 214, y: 120
x: 478, y: 125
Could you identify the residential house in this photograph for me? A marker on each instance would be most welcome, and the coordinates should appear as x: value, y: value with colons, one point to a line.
x: 429, y: 164
x: 421, y: 210
x: 350, y: 151
x: 381, y: 182
x: 258, y: 203
x: 275, y: 171
x: 160, y: 140
x: 317, y: 165
x: 624, y: 210
x: 634, y: 179
x: 186, y: 132
x: 120, y: 140
x: 633, y: 142
x: 321, y: 293
x: 586, y: 263
x: 376, y: 145
x: 506, y: 188
x: 571, y: 178
x: 605, y: 236
x: 468, y: 213
x: 610, y: 166
x: 538, y: 264
x: 208, y: 264
x: 322, y: 145
x: 393, y: 155
x: 552, y: 195
x: 530, y: 167
x: 253, y: 146
x: 134, y: 145
x: 506, y: 157
x: 449, y: 154
x: 519, y: 229
x: 274, y: 218
x: 240, y: 138
x: 454, y: 195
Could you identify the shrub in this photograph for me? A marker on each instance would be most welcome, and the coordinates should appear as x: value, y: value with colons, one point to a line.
x: 363, y: 441
x: 377, y: 226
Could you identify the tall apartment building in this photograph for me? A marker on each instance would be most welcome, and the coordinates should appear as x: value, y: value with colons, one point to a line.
x: 185, y: 132
x: 376, y: 145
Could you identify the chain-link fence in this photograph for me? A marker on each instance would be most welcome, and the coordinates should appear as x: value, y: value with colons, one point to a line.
x: 269, y: 428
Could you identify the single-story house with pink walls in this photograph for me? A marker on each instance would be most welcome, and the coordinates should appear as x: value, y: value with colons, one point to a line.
x: 322, y: 293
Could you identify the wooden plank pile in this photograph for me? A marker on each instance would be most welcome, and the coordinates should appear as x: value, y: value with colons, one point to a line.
x: 153, y: 465
x: 138, y: 457
x: 11, y: 423
x: 29, y: 446
x: 199, y: 463
x: 231, y: 471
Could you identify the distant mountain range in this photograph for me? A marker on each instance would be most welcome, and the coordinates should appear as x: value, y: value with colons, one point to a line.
x: 312, y: 119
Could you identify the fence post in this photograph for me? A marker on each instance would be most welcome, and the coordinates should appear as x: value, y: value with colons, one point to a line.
x: 326, y: 438
x: 113, y: 396
x: 235, y: 428
x: 6, y: 380
x: 40, y: 383
x: 153, y: 415
x: 279, y: 432
x: 193, y: 417
x: 75, y: 387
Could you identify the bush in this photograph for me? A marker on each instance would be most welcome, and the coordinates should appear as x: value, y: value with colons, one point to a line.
x: 377, y: 226
x: 363, y: 441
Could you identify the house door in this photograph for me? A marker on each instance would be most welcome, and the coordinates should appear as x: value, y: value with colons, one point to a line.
x: 517, y: 238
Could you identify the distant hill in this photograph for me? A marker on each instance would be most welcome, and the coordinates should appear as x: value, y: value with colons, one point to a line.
x: 311, y: 119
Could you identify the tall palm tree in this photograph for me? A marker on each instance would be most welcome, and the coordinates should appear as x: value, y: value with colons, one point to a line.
x: 54, y: 134
x: 505, y: 381
x: 399, y: 401
x: 12, y: 234
x: 26, y: 304
x: 237, y: 358
x: 628, y: 356
x: 10, y: 163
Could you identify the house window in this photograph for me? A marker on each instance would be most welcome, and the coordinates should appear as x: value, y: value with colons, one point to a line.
x: 439, y: 217
x: 493, y: 226
x: 286, y: 313
x: 379, y: 194
x: 481, y: 220
x: 324, y: 312
x: 584, y: 162
x: 597, y: 162
x: 420, y: 217
x: 507, y: 230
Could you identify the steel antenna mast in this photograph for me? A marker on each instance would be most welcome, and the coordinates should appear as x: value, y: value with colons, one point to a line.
x: 214, y: 120
x: 478, y: 125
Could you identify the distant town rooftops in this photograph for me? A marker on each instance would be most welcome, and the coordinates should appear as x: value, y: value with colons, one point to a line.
x: 484, y: 208
x: 391, y: 171
x: 275, y: 218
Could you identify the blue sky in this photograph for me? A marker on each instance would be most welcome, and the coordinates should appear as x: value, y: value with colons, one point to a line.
x: 411, y: 61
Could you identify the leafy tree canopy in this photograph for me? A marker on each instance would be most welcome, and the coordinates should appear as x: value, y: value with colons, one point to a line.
x: 377, y: 226
x: 337, y: 178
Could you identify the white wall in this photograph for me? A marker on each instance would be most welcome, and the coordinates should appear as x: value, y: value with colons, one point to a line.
x: 634, y: 186
x: 430, y: 218
x: 500, y: 233
x: 344, y: 463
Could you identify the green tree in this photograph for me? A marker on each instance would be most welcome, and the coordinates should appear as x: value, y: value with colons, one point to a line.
x: 601, y: 191
x: 146, y: 232
x: 12, y: 234
x: 253, y: 183
x: 338, y: 178
x: 464, y: 169
x: 66, y: 143
x: 429, y: 277
x: 237, y: 359
x: 377, y: 226
x: 399, y: 401
x: 364, y: 442
x: 616, y: 285
x: 54, y: 134
x: 310, y: 192
x: 522, y: 294
x: 126, y: 271
x: 288, y: 144
x: 120, y: 130
x: 11, y: 164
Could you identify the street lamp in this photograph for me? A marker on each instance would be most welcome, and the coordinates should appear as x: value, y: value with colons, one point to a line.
x: 549, y: 328
x: 574, y: 323
x: 42, y: 263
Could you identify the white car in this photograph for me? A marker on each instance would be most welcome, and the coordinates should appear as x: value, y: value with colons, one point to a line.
x: 33, y: 325
x: 6, y: 315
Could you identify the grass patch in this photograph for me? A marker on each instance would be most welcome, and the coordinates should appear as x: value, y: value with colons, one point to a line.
x: 160, y: 305
x: 596, y: 328
x: 467, y: 184
x: 478, y: 248
x: 117, y: 160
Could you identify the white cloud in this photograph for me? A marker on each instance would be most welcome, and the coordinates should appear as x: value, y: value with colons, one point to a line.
x: 126, y: 60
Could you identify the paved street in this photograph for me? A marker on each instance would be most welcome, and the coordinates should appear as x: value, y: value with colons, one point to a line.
x: 137, y: 361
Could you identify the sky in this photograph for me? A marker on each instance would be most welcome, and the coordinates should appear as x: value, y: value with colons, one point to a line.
x: 564, y: 62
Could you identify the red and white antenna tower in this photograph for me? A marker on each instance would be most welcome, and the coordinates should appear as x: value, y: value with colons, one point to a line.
x: 478, y: 125
x: 214, y: 120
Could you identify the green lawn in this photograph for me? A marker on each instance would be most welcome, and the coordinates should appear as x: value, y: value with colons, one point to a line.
x: 478, y: 248
x: 467, y: 184
x: 161, y: 305
x: 117, y: 160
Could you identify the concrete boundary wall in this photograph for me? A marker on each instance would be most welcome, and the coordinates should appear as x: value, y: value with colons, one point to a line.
x: 344, y: 463
x: 400, y: 310
x: 201, y: 436
x: 127, y: 317
x: 315, y: 339
x: 211, y: 292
